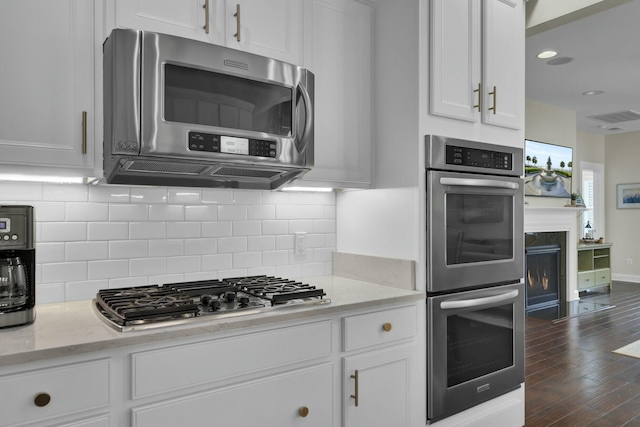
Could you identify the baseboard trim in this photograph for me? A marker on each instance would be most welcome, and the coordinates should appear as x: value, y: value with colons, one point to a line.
x: 626, y: 278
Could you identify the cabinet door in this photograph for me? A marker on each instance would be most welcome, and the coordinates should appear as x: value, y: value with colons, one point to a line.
x: 300, y: 398
x: 47, y: 49
x: 268, y: 28
x: 455, y: 59
x: 377, y: 388
x: 503, y: 63
x: 337, y: 39
x: 185, y: 18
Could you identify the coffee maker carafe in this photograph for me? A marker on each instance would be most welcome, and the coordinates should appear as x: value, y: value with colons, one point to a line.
x: 17, y: 266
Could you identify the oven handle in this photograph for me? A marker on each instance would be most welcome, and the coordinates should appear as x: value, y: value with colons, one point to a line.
x: 472, y: 182
x: 477, y: 302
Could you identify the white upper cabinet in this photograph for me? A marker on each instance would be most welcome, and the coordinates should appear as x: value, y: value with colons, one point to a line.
x: 477, y: 61
x: 47, y: 84
x: 338, y: 51
x: 269, y: 28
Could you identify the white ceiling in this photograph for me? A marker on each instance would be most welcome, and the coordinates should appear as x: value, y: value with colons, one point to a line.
x: 605, y: 48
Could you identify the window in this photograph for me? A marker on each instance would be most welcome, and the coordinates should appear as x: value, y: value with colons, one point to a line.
x: 592, y: 184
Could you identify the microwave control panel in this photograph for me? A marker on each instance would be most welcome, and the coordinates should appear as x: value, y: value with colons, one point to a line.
x: 199, y: 141
x: 464, y: 156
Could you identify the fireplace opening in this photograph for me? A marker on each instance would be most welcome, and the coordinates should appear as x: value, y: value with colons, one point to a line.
x: 543, y: 277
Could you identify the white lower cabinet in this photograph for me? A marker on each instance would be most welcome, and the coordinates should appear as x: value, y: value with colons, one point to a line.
x: 299, y: 398
x: 57, y: 392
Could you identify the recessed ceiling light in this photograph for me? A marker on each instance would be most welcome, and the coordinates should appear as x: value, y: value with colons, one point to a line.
x: 593, y: 92
x: 547, y: 54
x: 561, y: 60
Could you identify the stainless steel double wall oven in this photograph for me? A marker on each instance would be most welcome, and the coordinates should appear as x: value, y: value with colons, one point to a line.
x: 475, y: 270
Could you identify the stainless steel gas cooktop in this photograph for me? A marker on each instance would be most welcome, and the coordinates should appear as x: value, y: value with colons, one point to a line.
x: 154, y: 306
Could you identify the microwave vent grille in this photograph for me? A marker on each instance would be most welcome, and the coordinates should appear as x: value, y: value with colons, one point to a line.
x: 172, y: 168
x: 259, y: 173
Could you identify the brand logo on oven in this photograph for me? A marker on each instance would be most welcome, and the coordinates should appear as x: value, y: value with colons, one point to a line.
x: 483, y: 388
x: 236, y: 64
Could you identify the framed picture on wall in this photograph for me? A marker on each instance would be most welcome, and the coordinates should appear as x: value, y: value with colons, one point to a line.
x: 628, y: 196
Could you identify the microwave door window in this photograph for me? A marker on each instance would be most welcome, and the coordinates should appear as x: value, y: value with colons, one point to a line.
x: 213, y: 99
x: 479, y: 228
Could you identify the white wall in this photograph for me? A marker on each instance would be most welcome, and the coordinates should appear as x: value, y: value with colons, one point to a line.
x: 622, y: 153
x: 96, y: 237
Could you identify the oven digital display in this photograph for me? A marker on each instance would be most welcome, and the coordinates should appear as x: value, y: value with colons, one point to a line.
x: 464, y: 156
x: 5, y: 225
x: 234, y: 145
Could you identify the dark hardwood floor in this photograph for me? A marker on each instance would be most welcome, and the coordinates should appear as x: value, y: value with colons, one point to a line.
x: 572, y: 377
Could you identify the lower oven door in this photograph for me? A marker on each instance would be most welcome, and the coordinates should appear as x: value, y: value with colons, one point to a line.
x: 475, y: 347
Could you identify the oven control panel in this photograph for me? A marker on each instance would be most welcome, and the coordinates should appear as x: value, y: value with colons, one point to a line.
x: 199, y: 141
x: 464, y: 156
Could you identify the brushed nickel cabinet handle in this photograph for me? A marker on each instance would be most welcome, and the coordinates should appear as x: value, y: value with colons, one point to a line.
x: 42, y: 400
x: 84, y: 132
x: 355, y: 395
x: 479, y: 92
x: 303, y: 412
x: 495, y: 99
x: 206, y: 16
x: 387, y: 327
x: 237, y: 16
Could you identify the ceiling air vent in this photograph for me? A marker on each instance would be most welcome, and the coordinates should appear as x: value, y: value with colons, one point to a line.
x: 619, y: 117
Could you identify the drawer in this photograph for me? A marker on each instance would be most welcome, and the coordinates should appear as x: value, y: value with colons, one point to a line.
x: 586, y: 280
x: 215, y: 360
x: 298, y: 398
x: 603, y: 276
x: 71, y: 388
x: 377, y: 328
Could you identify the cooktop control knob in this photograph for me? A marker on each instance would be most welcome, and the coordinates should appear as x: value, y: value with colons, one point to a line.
x: 229, y: 296
x: 243, y: 300
x: 214, y: 305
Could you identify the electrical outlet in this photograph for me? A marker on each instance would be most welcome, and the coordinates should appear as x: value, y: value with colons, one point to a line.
x: 300, y: 243
x: 629, y: 261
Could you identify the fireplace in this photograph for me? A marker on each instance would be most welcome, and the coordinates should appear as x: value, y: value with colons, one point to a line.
x: 543, y: 278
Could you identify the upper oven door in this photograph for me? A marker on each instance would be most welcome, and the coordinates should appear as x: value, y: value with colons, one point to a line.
x: 234, y: 101
x: 474, y: 230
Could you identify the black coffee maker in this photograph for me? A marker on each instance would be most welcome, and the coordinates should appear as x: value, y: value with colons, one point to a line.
x: 17, y: 266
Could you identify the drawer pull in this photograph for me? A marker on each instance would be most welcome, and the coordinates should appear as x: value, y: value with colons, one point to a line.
x: 42, y: 400
x: 303, y: 412
x: 355, y: 395
x: 387, y: 327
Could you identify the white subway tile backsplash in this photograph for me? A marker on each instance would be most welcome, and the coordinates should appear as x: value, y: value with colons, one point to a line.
x: 217, y: 229
x: 149, y: 195
x: 63, y: 232
x: 183, y: 230
x: 50, y: 252
x: 217, y: 196
x: 232, y: 212
x: 184, y: 195
x: 201, y: 213
x: 107, y: 230
x: 247, y: 259
x: 166, y: 247
x: 63, y: 272
x: 109, y: 194
x: 166, y: 213
x: 147, y: 230
x: 232, y: 244
x: 246, y: 228
x: 93, y: 237
x: 65, y: 192
x: 85, y: 251
x: 200, y: 246
x: 128, y: 212
x: 147, y: 266
x: 128, y: 249
x: 89, y: 212
x: 75, y: 291
x: 183, y: 264
x: 108, y: 269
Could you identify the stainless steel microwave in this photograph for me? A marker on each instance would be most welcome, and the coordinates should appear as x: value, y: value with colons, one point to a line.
x: 187, y: 113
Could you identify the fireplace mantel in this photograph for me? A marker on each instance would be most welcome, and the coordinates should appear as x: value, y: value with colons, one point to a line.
x: 552, y: 219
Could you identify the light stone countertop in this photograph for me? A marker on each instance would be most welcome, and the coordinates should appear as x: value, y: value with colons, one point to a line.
x: 69, y: 328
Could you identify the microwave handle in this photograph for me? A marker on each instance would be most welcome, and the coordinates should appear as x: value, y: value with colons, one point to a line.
x: 304, y: 139
x: 474, y: 182
x: 478, y: 302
